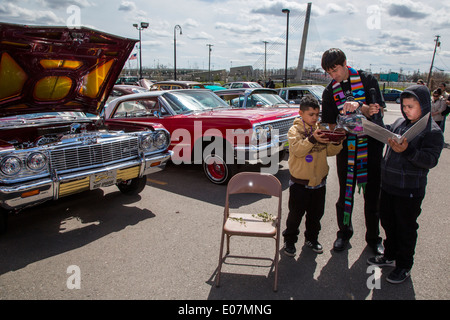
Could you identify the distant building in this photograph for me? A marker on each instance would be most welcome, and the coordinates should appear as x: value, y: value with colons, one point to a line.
x: 392, y: 76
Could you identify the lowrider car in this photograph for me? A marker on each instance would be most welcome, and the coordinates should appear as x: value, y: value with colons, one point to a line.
x: 206, y: 130
x: 241, y: 84
x: 295, y: 94
x: 252, y: 97
x: 49, y: 78
x: 173, y: 85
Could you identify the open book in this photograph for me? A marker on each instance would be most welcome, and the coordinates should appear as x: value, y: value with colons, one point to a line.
x: 382, y: 134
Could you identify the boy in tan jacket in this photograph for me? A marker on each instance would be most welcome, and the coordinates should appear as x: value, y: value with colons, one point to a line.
x: 308, y: 166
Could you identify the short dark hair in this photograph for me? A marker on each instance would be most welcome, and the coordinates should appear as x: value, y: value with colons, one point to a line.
x: 333, y: 57
x: 309, y: 102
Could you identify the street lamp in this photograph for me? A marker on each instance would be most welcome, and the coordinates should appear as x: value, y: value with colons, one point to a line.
x: 287, y: 39
x: 209, y: 62
x: 175, y: 50
x: 144, y: 25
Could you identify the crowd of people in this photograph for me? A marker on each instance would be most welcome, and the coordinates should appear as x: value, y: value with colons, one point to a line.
x: 393, y: 185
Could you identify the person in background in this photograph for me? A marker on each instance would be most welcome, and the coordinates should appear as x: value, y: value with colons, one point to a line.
x: 438, y: 105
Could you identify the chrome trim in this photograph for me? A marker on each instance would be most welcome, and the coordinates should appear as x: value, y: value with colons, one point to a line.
x: 10, y: 195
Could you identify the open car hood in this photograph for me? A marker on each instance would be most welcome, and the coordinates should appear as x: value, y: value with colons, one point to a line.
x: 45, y: 69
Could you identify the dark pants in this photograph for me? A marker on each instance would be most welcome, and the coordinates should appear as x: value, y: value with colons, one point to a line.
x: 301, y: 201
x: 371, y: 195
x: 399, y: 220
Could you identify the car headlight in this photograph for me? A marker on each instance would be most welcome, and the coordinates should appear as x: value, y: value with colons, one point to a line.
x: 262, y: 133
x: 36, y: 161
x: 161, y: 140
x: 147, y: 142
x: 256, y: 133
x: 11, y: 166
x: 268, y: 131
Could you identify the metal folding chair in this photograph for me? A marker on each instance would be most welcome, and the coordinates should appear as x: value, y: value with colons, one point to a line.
x: 248, y: 224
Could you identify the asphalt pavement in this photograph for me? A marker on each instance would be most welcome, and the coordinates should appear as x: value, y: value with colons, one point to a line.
x: 164, y: 245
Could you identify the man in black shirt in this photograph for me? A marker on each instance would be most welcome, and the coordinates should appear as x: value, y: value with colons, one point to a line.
x: 348, y: 91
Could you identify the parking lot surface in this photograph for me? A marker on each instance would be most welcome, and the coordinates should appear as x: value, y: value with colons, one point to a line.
x: 164, y: 245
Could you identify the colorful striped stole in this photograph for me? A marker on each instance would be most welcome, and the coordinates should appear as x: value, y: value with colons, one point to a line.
x: 357, y: 144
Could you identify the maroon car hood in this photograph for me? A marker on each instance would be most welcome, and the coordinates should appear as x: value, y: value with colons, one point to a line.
x: 44, y: 69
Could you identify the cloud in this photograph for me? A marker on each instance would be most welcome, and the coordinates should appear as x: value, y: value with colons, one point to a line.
x: 59, y: 4
x: 127, y: 6
x: 10, y: 11
x: 200, y: 36
x: 239, y: 28
x: 403, y: 11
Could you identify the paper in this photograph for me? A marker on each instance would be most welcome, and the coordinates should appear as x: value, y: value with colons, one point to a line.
x: 382, y: 134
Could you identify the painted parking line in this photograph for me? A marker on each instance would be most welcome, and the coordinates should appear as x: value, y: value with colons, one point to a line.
x: 162, y: 183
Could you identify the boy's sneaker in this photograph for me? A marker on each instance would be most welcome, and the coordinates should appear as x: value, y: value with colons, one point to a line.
x: 289, y: 249
x: 314, y: 245
x: 381, y: 261
x: 398, y: 275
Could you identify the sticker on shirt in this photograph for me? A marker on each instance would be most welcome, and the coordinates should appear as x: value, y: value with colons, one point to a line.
x: 309, y: 158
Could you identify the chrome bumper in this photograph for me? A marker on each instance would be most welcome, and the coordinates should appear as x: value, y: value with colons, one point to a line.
x: 260, y: 152
x: 27, y: 194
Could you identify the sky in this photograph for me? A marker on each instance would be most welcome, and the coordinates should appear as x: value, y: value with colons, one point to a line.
x: 380, y: 35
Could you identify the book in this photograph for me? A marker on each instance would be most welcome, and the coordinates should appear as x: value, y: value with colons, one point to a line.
x: 382, y: 134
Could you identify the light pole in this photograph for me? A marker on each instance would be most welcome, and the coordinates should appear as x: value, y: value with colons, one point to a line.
x: 287, y: 39
x: 144, y: 25
x: 175, y: 50
x: 209, y: 61
x: 265, y: 58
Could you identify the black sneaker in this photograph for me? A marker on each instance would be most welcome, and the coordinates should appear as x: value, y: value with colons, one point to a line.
x: 381, y: 261
x: 289, y: 249
x: 314, y: 245
x: 398, y: 275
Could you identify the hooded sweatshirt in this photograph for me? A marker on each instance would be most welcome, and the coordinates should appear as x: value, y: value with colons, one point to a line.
x: 308, y: 158
x: 405, y: 173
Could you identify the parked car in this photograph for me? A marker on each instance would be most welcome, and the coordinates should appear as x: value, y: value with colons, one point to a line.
x: 240, y: 84
x: 49, y: 148
x: 295, y: 94
x: 174, y: 85
x: 206, y: 130
x: 391, y: 95
x: 130, y: 80
x: 252, y: 97
x: 213, y: 87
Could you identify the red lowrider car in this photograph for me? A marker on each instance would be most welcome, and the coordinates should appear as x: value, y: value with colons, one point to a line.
x: 205, y: 129
x: 49, y: 148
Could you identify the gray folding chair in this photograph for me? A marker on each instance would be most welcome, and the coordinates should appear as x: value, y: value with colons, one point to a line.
x: 248, y: 224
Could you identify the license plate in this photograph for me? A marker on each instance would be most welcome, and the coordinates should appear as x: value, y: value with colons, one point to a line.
x: 103, y: 179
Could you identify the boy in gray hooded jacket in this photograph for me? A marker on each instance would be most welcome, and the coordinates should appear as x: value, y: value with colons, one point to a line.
x: 404, y: 171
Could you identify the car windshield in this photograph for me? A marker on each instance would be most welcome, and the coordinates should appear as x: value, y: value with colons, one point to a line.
x: 318, y: 90
x: 191, y: 101
x: 266, y: 99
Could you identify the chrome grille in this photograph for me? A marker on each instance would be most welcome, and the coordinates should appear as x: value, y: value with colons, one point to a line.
x: 282, y: 126
x: 93, y: 155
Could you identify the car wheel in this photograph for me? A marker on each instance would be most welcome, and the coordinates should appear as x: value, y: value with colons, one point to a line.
x: 397, y: 100
x: 3, y: 220
x: 217, y: 170
x: 132, y: 186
